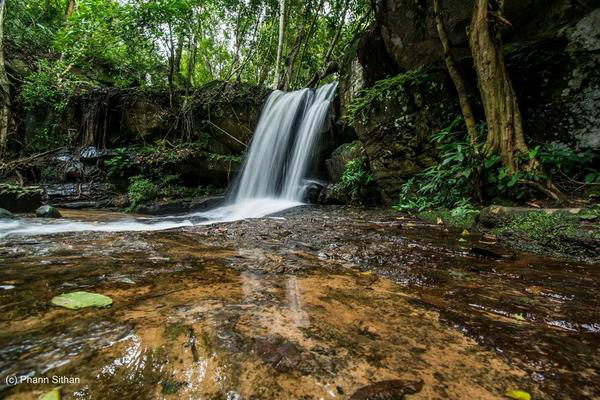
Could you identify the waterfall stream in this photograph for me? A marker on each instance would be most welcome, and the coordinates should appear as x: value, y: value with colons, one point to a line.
x: 283, y: 147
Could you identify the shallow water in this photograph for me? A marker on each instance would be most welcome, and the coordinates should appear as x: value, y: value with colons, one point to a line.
x: 316, y: 302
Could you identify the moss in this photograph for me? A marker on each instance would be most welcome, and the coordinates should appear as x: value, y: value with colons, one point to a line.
x: 557, y: 234
x: 385, y: 89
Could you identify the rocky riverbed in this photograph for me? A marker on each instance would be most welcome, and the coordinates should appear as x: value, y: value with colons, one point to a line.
x: 316, y: 302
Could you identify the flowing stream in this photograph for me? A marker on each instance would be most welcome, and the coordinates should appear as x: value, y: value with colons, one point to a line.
x: 282, y: 150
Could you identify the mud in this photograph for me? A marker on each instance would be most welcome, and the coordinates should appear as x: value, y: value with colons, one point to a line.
x: 318, y: 302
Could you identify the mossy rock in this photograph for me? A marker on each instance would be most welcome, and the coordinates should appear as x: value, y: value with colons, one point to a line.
x: 78, y: 300
x: 47, y: 212
x: 20, y: 199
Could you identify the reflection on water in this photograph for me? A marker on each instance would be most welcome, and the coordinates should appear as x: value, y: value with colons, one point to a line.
x: 279, y: 308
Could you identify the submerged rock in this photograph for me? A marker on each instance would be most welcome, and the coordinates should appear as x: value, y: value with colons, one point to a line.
x: 387, y: 390
x: 48, y: 212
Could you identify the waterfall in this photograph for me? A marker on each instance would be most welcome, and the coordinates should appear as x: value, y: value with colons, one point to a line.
x: 284, y: 145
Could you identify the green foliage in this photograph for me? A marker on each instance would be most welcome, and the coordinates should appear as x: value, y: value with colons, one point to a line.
x: 50, y: 86
x: 385, y: 89
x: 454, y: 182
x: 466, y: 175
x: 120, y: 163
x: 142, y: 189
x: 185, y: 43
x: 355, y: 179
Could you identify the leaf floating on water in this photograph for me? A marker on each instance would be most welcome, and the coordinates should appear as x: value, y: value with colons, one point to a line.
x: 77, y: 300
x: 367, y: 273
x: 54, y: 394
x: 518, y: 317
x: 517, y: 395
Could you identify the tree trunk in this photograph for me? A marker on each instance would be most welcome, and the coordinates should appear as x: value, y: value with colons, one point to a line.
x: 455, y: 75
x: 279, y: 42
x: 71, y: 7
x: 505, y: 128
x: 5, y: 116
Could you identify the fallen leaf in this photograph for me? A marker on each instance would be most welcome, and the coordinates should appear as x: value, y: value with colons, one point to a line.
x: 466, y: 233
x: 518, y: 317
x: 54, y: 394
x: 366, y: 273
x: 77, y: 300
x: 439, y: 221
x: 517, y: 395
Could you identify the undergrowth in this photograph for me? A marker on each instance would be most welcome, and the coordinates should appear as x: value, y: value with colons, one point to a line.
x: 466, y: 176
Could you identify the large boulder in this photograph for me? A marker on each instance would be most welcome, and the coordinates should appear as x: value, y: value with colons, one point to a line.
x: 20, y: 199
x: 397, y: 128
x: 409, y: 32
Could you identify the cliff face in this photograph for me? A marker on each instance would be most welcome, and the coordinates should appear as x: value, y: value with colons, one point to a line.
x: 553, y: 56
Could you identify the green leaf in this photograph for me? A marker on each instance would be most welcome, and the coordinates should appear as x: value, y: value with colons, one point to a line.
x: 77, y: 300
x: 54, y: 394
x: 591, y: 177
x: 517, y: 395
x: 518, y: 317
x: 513, y: 181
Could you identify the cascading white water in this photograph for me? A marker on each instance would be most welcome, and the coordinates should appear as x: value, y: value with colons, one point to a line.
x: 282, y: 150
x: 284, y: 144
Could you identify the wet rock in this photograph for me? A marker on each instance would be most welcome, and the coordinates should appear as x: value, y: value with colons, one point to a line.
x: 282, y: 354
x: 312, y: 192
x: 74, y: 192
x: 179, y: 206
x: 331, y: 195
x: 92, y: 154
x: 5, y: 214
x: 388, y: 390
x: 47, y: 212
x: 19, y: 199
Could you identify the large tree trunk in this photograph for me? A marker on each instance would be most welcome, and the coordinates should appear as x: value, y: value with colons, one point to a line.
x: 505, y: 128
x: 5, y: 116
x: 279, y: 42
x: 455, y: 75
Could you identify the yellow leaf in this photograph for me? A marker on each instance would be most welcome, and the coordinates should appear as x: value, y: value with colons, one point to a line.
x: 366, y: 273
x: 54, y: 394
x: 517, y: 395
x: 466, y: 233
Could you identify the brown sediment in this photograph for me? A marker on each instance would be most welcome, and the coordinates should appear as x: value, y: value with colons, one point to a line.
x: 317, y: 305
